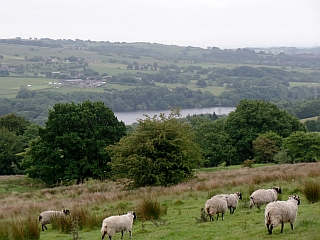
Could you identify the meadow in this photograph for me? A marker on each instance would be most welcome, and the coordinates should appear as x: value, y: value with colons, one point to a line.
x: 22, y: 199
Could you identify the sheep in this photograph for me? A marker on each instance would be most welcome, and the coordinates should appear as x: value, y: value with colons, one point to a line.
x: 47, y: 216
x: 114, y: 224
x: 264, y: 196
x: 281, y: 212
x: 216, y: 205
x: 232, y: 200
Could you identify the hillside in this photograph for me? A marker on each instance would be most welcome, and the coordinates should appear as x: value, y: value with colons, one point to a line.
x: 37, y: 73
x: 181, y: 204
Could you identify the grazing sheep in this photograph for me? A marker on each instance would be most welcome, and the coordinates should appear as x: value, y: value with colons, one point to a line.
x: 281, y: 212
x: 264, y: 196
x: 216, y: 205
x: 232, y: 200
x: 114, y: 224
x: 46, y: 216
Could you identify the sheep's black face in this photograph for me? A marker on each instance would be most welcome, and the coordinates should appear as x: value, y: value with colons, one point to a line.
x: 239, y: 194
x: 66, y: 211
x: 134, y: 215
x: 278, y: 190
x: 296, y: 197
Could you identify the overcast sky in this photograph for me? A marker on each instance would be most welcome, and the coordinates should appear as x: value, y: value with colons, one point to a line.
x: 220, y: 23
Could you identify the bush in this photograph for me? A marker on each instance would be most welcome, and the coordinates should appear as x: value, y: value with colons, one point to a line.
x: 151, y: 210
x: 63, y: 224
x: 203, y: 216
x: 248, y: 163
x: 311, y: 189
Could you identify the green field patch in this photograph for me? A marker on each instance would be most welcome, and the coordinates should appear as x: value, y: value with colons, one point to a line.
x: 308, y: 84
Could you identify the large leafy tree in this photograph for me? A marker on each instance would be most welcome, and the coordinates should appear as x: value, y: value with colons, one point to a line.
x: 14, y: 123
x: 10, y: 145
x: 215, y: 143
x: 252, y: 117
x: 266, y: 146
x: 303, y: 147
x: 159, y: 152
x: 72, y: 144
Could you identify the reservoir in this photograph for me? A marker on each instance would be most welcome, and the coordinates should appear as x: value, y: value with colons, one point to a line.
x: 131, y: 117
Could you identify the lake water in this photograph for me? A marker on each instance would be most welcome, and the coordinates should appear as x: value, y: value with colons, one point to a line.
x: 130, y: 117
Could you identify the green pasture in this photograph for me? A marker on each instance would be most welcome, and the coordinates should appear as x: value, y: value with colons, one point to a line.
x: 11, y: 85
x: 215, y: 90
x: 308, y: 84
x: 183, y: 208
x: 306, y: 119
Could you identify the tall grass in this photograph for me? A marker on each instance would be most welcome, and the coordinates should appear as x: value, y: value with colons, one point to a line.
x: 311, y: 189
x: 89, y: 203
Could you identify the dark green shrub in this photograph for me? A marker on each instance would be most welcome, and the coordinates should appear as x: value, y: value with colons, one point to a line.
x: 150, y: 209
x: 248, y: 163
x: 203, y: 216
x: 311, y: 189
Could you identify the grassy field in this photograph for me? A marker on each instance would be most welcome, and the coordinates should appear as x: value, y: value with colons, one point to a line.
x: 23, y: 198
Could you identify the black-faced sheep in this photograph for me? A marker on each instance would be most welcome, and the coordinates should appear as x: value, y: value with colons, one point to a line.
x: 216, y: 205
x: 46, y: 216
x: 232, y: 200
x: 281, y: 212
x: 114, y: 224
x: 264, y: 196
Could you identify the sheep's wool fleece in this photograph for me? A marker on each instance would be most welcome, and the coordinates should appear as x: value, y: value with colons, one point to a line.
x: 280, y: 212
x: 216, y: 205
x: 48, y: 215
x: 116, y: 224
x: 232, y: 199
x: 263, y: 196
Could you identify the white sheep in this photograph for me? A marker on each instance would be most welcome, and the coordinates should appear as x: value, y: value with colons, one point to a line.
x: 47, y: 216
x: 216, y: 205
x: 281, y: 212
x: 232, y: 200
x: 264, y: 196
x: 114, y: 224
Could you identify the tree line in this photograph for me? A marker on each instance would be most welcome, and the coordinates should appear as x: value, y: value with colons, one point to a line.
x: 85, y: 140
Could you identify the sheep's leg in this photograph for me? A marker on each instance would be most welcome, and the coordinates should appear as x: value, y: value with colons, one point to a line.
x: 230, y: 210
x: 270, y: 229
x: 222, y: 216
x: 44, y: 226
x: 233, y: 209
x: 121, y: 234
x: 130, y: 233
x: 103, y: 235
x: 110, y: 238
x: 291, y: 226
x: 282, y: 225
x: 217, y: 216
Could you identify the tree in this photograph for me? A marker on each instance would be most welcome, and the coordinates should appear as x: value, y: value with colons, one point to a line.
x: 14, y: 123
x: 252, y: 117
x: 72, y: 144
x: 201, y: 83
x: 265, y: 146
x: 216, y: 145
x: 159, y: 152
x: 10, y: 145
x: 303, y: 147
